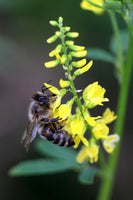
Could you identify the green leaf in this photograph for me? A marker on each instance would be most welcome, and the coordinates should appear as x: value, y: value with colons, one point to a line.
x: 100, y: 54
x: 124, y: 37
x: 47, y: 148
x: 39, y: 167
x: 86, y: 176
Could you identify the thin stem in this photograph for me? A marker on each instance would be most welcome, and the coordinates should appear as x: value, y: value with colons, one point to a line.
x: 109, y: 175
x: 120, y: 61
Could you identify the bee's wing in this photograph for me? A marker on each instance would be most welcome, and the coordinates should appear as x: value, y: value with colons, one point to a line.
x: 25, y: 132
x: 29, y: 133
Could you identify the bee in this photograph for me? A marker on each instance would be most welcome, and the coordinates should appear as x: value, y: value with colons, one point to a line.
x: 41, y: 121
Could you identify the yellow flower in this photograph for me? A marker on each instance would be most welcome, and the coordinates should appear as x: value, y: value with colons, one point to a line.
x: 52, y: 63
x: 78, y: 54
x: 72, y: 34
x: 56, y: 103
x: 92, y: 120
x: 110, y: 142
x: 100, y: 130
x: 93, y: 95
x: 83, y: 69
x: 55, y: 90
x: 64, y: 83
x: 76, y: 47
x: 93, y: 6
x: 63, y: 111
x: 79, y: 63
x: 108, y: 116
x: 89, y: 153
x: 75, y: 125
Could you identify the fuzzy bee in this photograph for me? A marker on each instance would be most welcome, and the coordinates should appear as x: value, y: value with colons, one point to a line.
x: 42, y: 122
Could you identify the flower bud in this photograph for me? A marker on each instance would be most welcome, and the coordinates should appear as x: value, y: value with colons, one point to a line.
x: 78, y: 54
x: 79, y: 63
x: 69, y: 42
x: 76, y: 47
x: 60, y: 20
x: 83, y: 69
x: 58, y: 33
x: 66, y: 28
x: 52, y: 63
x: 52, y: 39
x: 53, y: 23
x: 63, y: 59
x: 64, y: 83
x: 72, y: 34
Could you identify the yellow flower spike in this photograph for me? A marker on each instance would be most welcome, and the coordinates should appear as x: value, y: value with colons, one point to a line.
x: 52, y: 39
x: 108, y: 116
x: 93, y: 95
x: 88, y: 6
x: 78, y: 54
x: 52, y: 63
x: 52, y: 89
x: 72, y: 34
x: 63, y: 83
x: 109, y: 143
x: 100, y: 130
x: 79, y: 63
x: 83, y: 69
x: 76, y: 47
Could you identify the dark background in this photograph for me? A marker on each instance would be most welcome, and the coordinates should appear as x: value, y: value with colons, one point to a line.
x: 24, y: 29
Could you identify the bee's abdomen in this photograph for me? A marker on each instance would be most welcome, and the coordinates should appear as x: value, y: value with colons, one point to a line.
x: 58, y: 138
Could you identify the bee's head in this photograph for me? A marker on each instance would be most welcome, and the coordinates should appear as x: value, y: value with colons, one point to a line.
x: 42, y: 98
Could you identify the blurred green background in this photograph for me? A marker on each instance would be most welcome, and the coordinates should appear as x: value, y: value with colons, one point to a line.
x: 24, y: 28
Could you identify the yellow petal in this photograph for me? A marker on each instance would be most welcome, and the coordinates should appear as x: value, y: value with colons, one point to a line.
x: 79, y: 63
x: 88, y: 6
x: 64, y: 83
x: 52, y: 63
x: 100, y: 131
x: 108, y: 116
x: 53, y: 89
x: 83, y: 69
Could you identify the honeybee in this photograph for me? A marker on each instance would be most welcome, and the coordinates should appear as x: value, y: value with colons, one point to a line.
x: 42, y: 122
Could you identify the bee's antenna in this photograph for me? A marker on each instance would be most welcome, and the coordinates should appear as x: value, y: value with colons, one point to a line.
x: 44, y: 88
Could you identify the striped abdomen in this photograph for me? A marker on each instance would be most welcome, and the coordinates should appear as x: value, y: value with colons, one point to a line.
x: 60, y: 138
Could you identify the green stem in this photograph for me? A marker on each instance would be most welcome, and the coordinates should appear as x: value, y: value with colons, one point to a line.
x: 110, y: 169
x: 78, y: 102
x: 120, y: 61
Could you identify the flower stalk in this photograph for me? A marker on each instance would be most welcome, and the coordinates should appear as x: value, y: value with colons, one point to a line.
x: 110, y: 170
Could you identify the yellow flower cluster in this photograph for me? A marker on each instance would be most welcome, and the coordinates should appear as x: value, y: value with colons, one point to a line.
x: 93, y: 95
